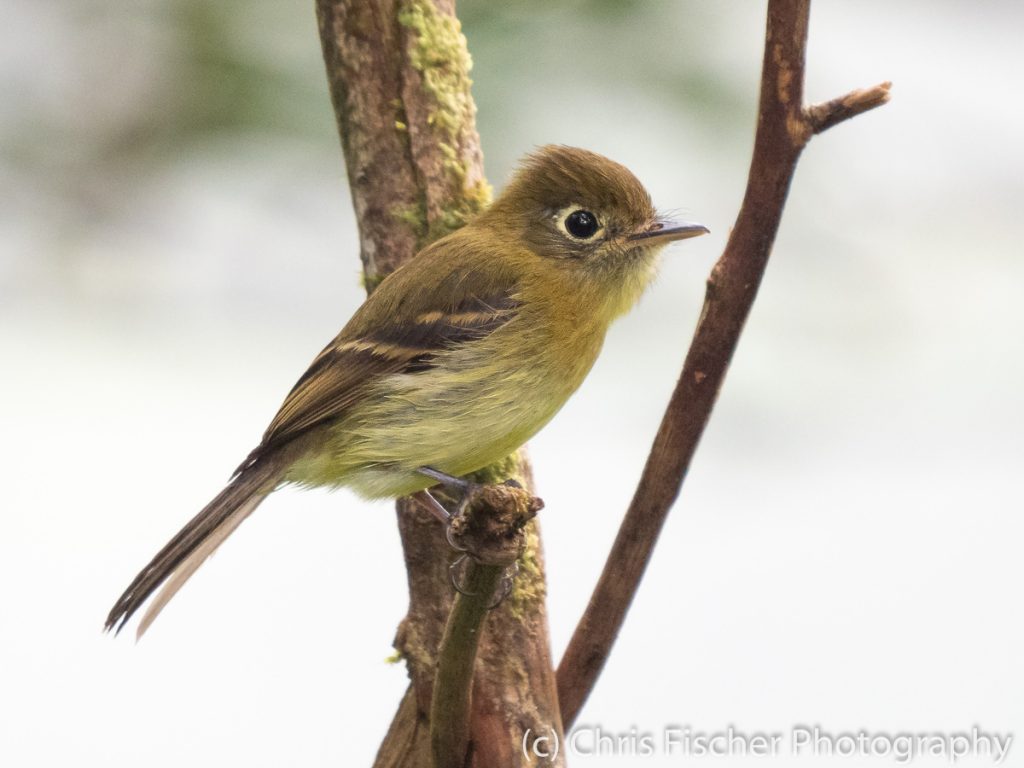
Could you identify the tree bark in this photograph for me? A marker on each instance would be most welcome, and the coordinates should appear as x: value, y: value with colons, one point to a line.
x: 398, y: 72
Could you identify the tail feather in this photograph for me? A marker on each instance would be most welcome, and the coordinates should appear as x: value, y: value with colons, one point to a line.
x: 182, y: 555
x: 196, y: 558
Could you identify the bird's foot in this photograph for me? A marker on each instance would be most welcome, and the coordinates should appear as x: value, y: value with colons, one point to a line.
x: 446, y: 518
x: 486, y: 526
x: 459, y: 487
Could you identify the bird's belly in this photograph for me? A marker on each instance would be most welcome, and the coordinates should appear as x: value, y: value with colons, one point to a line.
x: 453, y: 418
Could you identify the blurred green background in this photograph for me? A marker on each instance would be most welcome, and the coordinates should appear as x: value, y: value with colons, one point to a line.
x: 177, y: 242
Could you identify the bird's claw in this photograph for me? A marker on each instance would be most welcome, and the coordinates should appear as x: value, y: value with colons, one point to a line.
x: 508, y: 578
x: 450, y: 535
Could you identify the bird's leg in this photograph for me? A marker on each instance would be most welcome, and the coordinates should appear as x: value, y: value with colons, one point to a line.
x: 426, y: 498
x: 444, y: 479
x: 436, y: 508
x: 463, y: 487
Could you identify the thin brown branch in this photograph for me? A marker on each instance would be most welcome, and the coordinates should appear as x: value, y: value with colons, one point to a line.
x: 823, y: 116
x: 783, y: 128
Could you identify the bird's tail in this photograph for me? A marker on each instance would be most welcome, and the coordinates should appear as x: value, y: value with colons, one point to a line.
x: 181, y: 556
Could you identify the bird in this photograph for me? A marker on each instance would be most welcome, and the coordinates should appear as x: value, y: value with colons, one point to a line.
x: 455, y: 360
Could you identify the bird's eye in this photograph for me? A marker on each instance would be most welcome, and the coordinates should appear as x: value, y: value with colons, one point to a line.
x: 581, y: 224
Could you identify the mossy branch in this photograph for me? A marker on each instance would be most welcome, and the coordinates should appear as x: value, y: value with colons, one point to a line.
x: 398, y: 72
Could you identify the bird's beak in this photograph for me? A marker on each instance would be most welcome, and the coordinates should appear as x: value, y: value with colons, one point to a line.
x: 668, y: 231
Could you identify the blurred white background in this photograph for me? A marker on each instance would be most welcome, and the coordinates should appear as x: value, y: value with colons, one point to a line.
x: 176, y: 243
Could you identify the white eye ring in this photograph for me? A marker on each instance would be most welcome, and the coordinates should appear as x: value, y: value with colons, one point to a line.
x: 562, y: 219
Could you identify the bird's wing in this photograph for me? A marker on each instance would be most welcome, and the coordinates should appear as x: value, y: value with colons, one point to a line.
x: 405, y: 338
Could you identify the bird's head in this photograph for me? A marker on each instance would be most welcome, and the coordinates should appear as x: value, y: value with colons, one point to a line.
x: 587, y: 215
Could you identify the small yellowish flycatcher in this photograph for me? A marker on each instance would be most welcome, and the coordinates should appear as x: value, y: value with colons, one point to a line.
x: 456, y: 359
